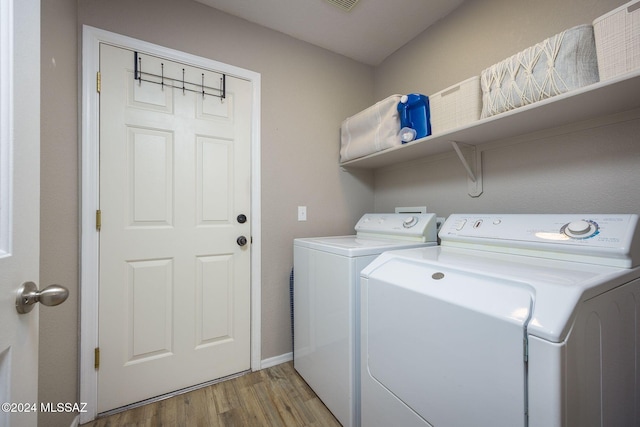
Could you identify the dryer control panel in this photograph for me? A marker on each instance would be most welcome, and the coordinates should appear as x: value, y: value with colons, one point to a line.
x: 595, y: 238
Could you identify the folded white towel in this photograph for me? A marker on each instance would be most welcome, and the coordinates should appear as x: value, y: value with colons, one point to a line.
x: 372, y: 130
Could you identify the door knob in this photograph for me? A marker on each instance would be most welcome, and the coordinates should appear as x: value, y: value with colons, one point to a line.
x: 242, y: 218
x: 28, y: 295
x: 241, y: 240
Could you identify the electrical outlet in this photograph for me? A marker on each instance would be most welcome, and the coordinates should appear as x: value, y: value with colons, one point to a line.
x: 302, y: 213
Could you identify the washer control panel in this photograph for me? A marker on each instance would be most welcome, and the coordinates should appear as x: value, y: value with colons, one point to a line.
x: 592, y: 235
x: 392, y: 225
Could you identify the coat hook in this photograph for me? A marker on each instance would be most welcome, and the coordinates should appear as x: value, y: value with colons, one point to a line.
x: 135, y: 65
x: 173, y: 80
x: 223, y: 84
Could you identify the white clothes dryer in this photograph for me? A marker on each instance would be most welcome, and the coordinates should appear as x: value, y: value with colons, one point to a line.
x: 326, y: 302
x: 515, y: 320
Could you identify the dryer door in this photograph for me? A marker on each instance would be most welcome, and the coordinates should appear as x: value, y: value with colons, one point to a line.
x: 449, y: 344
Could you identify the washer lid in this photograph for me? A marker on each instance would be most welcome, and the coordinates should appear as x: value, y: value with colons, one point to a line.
x: 351, y: 246
x: 508, y: 299
x: 556, y: 286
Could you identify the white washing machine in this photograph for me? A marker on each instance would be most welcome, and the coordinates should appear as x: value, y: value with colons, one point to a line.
x: 515, y: 320
x: 326, y: 302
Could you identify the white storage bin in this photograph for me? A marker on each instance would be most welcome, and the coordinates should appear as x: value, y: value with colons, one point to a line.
x: 374, y: 129
x: 456, y: 106
x: 617, y: 36
x: 556, y: 65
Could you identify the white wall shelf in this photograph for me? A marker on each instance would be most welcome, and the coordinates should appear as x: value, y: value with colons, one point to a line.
x: 599, y: 99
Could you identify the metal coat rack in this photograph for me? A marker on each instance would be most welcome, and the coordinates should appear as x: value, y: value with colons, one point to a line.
x: 201, y: 88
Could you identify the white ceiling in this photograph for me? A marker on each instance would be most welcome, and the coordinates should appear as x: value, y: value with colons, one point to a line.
x: 370, y: 32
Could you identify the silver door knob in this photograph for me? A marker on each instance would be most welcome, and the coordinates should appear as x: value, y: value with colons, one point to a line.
x: 28, y: 295
x: 241, y: 241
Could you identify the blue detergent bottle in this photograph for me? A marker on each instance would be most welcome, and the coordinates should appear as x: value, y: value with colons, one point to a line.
x: 415, y: 114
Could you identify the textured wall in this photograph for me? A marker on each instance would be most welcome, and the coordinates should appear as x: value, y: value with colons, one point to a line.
x: 59, y: 252
x: 590, y: 166
x: 476, y: 35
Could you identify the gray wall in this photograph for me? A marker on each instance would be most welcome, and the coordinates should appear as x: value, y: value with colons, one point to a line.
x: 592, y: 166
x: 306, y: 93
x: 59, y: 221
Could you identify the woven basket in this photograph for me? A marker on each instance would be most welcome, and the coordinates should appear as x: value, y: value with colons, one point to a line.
x: 556, y: 65
x: 456, y: 106
x: 617, y: 36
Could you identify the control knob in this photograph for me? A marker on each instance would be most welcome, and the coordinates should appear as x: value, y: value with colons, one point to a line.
x: 578, y: 227
x: 409, y: 221
x: 581, y: 229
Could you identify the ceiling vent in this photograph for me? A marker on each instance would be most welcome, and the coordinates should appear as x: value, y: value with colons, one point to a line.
x: 345, y: 5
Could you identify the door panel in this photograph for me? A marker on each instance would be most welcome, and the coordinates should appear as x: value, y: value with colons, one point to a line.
x: 214, y: 193
x: 150, y: 177
x: 149, y: 314
x: 174, y: 284
x: 213, y: 293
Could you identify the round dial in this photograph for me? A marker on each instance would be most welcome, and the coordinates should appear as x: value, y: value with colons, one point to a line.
x: 581, y: 229
x: 578, y: 227
x: 409, y: 221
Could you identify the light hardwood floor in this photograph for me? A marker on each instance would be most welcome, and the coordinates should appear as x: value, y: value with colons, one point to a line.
x: 275, y: 396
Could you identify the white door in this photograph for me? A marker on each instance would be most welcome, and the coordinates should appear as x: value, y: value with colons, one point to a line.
x: 174, y: 299
x: 19, y: 206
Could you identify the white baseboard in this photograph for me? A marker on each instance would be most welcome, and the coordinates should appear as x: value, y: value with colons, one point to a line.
x: 276, y: 360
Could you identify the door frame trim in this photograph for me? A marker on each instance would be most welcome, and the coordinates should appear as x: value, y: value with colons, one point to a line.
x: 90, y: 197
x: 6, y: 124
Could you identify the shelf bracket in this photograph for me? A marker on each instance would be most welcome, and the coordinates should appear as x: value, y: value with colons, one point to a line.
x: 471, y: 159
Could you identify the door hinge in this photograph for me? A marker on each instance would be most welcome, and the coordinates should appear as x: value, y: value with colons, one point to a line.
x: 97, y: 358
x: 98, y: 219
x: 98, y: 82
